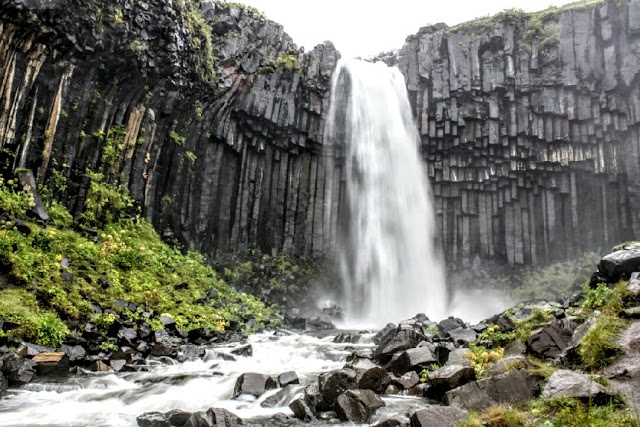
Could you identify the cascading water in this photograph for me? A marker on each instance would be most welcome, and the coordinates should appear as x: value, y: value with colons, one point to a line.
x: 389, y: 263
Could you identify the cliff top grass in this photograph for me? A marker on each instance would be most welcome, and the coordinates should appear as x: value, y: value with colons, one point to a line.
x: 56, y: 273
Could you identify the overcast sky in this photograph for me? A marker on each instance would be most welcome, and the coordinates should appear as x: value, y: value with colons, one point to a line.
x: 368, y: 27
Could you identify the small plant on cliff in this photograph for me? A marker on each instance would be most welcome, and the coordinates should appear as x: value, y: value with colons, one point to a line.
x: 105, y: 203
x: 190, y: 155
x: 288, y: 61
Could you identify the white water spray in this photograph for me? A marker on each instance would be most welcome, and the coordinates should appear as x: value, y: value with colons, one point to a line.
x: 390, y: 268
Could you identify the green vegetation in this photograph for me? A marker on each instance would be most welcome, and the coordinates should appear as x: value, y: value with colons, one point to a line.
x: 201, y: 39
x: 190, y: 155
x: 241, y: 6
x: 562, y: 412
x: 558, y: 280
x: 53, y: 271
x: 482, y: 359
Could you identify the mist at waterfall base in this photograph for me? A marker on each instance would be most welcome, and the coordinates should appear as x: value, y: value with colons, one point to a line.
x: 390, y: 266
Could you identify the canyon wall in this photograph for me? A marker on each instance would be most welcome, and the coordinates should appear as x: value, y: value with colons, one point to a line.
x: 213, y: 120
x: 206, y: 112
x: 530, y: 130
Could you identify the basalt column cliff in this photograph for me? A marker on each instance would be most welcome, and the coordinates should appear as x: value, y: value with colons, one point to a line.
x: 208, y: 114
x: 530, y: 130
x: 213, y: 119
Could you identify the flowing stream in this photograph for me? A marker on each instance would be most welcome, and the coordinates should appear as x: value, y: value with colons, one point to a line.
x: 116, y: 399
x: 390, y: 267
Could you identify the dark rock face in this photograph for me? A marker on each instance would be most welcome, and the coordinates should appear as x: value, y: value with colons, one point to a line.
x: 415, y: 359
x: 404, y: 337
x: 358, y: 405
x: 447, y: 378
x: 438, y: 416
x: 254, y: 384
x: 531, y: 146
x: 513, y: 387
x: 550, y: 341
x: 332, y: 384
x: 565, y: 383
x: 4, y: 384
x: 211, y: 417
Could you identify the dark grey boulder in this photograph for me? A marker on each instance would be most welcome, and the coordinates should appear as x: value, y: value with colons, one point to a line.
x: 450, y: 324
x: 462, y: 336
x: 408, y: 380
x: 56, y: 363
x: 438, y: 416
x: 391, y: 422
x: 370, y: 376
x: 620, y: 263
x: 313, y: 397
x: 18, y: 370
x: 566, y: 383
x: 332, y: 384
x: 242, y: 350
x: 164, y: 344
x: 213, y: 417
x: 511, y: 388
x: 415, y: 359
x: 75, y: 353
x: 301, y: 410
x: 282, y: 398
x: 405, y: 337
x: 254, y: 384
x: 4, y: 384
x: 509, y: 364
x: 459, y: 356
x: 286, y: 378
x: 447, y: 378
x: 551, y: 340
x: 153, y: 419
x: 27, y: 349
x: 117, y: 364
x: 127, y: 335
x: 384, y: 333
x: 358, y: 405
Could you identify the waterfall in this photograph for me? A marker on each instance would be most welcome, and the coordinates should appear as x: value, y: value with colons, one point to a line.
x: 390, y: 267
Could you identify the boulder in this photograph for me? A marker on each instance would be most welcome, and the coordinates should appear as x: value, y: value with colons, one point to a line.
x: 550, y: 340
x: 51, y: 363
x: 462, y: 336
x: 286, y: 378
x: 513, y: 387
x: 391, y: 422
x: 4, y: 384
x: 358, y: 406
x: 242, y: 350
x: 566, y: 383
x: 18, y: 370
x: 26, y: 349
x: 405, y: 337
x: 175, y: 417
x: 254, y: 384
x: 459, y: 356
x: 370, y: 376
x: 415, y: 359
x: 447, y: 378
x: 438, y: 416
x: 75, y: 353
x: 164, y: 345
x: 408, y: 380
x: 450, y: 324
x: 213, y: 417
x: 99, y: 366
x: 281, y: 398
x: 332, y: 384
x: 620, y: 263
x: 127, y: 335
x: 301, y: 410
x: 313, y: 397
x: 509, y: 364
x: 384, y: 333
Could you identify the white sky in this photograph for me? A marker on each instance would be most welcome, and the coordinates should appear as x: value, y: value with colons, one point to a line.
x: 368, y: 27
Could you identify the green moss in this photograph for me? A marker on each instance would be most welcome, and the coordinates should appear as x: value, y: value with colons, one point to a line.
x: 600, y: 347
x: 128, y: 255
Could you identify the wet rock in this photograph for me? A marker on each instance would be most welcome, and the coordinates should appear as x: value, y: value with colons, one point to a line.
x: 319, y: 323
x: 405, y: 337
x: 566, y: 383
x: 281, y: 398
x: 18, y: 370
x: 418, y: 390
x: 551, y: 340
x: 459, y: 356
x: 370, y: 376
x: 153, y: 419
x: 408, y: 380
x: 254, y: 384
x: 190, y: 352
x: 438, y: 416
x: 358, y: 405
x: 384, y: 333
x: 450, y: 324
x: 127, y: 335
x: 51, y: 363
x: 332, y: 384
x: 447, y: 378
x: 242, y: 350
x: 75, y: 353
x: 620, y: 263
x: 27, y: 349
x: 164, y: 345
x: 4, y: 384
x: 415, y: 359
x: 213, y: 417
x: 99, y: 366
x: 347, y: 338
x: 286, y: 378
x: 391, y: 422
x: 462, y: 336
x: 117, y: 364
x: 392, y: 389
x: 511, y: 388
x: 301, y: 410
